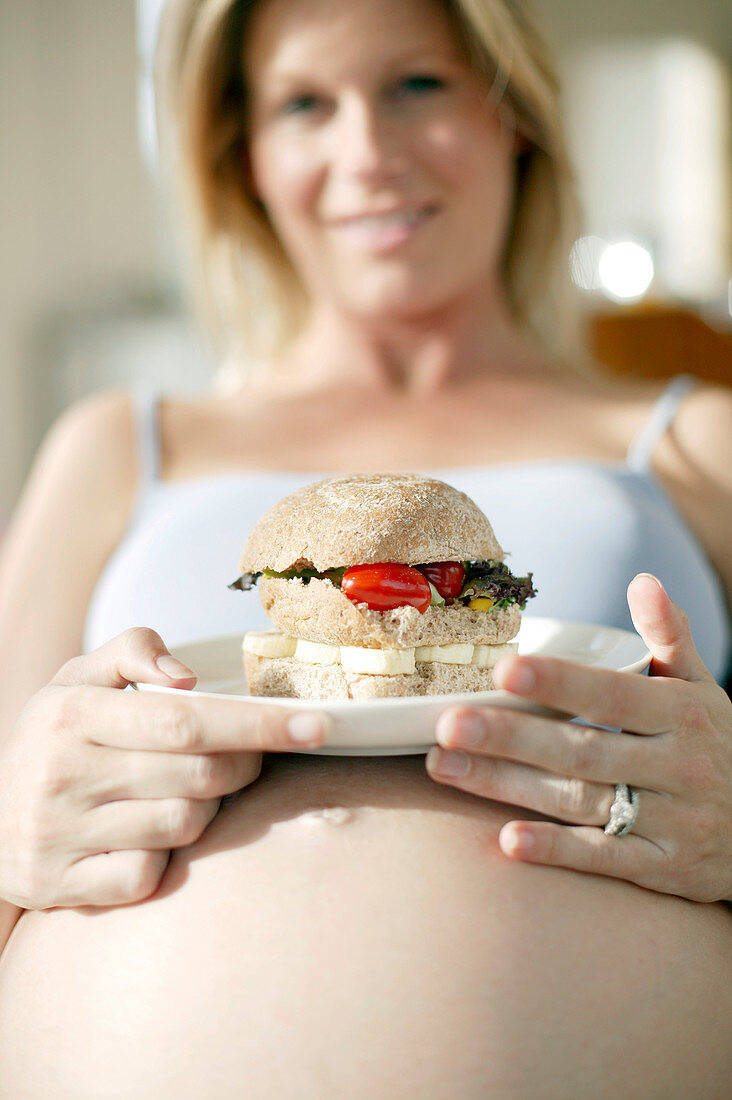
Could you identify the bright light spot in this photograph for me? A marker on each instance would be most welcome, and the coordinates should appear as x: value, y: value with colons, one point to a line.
x: 584, y: 261
x: 626, y: 270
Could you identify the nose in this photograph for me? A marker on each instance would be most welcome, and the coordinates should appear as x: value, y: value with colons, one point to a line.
x: 370, y: 145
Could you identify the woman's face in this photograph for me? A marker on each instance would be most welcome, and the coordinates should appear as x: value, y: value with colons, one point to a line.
x: 384, y: 167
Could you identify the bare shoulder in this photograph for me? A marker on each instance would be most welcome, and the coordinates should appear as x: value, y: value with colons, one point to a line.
x: 102, y: 410
x: 72, y: 513
x: 702, y: 431
x: 85, y: 466
x: 695, y: 460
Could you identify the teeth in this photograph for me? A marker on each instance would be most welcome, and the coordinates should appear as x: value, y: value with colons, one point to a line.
x: 385, y: 221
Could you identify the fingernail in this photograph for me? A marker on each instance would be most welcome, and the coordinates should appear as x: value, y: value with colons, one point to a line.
x: 173, y: 668
x: 650, y: 577
x: 518, y: 842
x: 463, y: 731
x: 514, y: 676
x: 453, y: 764
x: 305, y: 727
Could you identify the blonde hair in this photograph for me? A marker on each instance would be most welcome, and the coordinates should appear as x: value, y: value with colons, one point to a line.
x: 238, y: 260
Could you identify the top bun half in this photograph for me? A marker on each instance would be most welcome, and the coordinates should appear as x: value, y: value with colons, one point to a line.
x: 365, y: 518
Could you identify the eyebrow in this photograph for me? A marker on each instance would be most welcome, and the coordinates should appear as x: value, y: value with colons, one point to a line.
x: 406, y: 57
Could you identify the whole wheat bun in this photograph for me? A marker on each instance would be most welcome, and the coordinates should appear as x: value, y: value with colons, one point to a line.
x: 320, y: 611
x: 286, y: 676
x: 364, y: 518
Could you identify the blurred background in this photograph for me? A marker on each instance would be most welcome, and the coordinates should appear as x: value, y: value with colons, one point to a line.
x: 90, y: 286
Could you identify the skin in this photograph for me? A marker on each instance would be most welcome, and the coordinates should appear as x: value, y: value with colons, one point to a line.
x: 384, y: 127
x: 679, y: 765
x: 370, y: 133
x: 418, y: 338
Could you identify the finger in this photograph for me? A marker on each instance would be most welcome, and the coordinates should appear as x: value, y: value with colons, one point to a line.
x: 578, y: 801
x: 136, y: 656
x: 156, y: 823
x: 194, y: 723
x: 124, y: 774
x: 601, y: 696
x: 567, y: 748
x: 113, y: 878
x: 664, y: 627
x: 581, y: 848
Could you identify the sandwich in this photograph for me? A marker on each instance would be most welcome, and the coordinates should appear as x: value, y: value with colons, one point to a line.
x: 379, y: 585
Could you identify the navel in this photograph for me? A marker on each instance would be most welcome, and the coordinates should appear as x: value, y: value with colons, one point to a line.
x: 328, y: 815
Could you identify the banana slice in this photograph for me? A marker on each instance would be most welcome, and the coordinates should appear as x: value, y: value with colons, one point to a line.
x: 269, y: 644
x: 458, y: 654
x: 317, y: 653
x: 486, y: 656
x: 377, y: 662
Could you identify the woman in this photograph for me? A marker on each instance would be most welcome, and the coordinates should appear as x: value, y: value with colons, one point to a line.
x: 398, y: 168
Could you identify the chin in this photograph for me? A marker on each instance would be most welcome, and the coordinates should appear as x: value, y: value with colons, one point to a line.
x: 401, y: 291
x: 399, y: 299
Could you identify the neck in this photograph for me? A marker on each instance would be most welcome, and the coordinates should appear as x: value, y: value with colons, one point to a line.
x: 425, y: 355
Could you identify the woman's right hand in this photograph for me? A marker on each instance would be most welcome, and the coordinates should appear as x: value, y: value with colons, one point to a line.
x: 97, y: 784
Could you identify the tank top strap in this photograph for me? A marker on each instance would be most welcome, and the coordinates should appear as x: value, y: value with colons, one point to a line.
x: 147, y: 434
x: 661, y: 417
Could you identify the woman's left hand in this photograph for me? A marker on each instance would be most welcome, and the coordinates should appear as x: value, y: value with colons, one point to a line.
x: 675, y: 751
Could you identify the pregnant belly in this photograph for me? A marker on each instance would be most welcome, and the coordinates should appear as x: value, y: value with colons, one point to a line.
x: 349, y: 929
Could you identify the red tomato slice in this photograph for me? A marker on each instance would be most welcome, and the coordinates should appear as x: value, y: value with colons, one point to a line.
x: 385, y: 586
x: 446, y: 576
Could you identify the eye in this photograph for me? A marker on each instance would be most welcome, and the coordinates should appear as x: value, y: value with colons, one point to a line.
x: 300, y: 105
x: 419, y: 84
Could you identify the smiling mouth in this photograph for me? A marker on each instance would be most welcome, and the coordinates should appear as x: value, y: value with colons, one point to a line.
x: 384, y: 231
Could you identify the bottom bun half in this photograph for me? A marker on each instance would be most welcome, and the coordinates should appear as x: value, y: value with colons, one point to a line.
x: 288, y: 677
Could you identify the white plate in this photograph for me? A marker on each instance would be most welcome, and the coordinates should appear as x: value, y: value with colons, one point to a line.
x: 390, y: 727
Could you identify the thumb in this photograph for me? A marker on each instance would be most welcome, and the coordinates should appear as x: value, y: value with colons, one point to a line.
x: 136, y: 656
x: 664, y: 627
